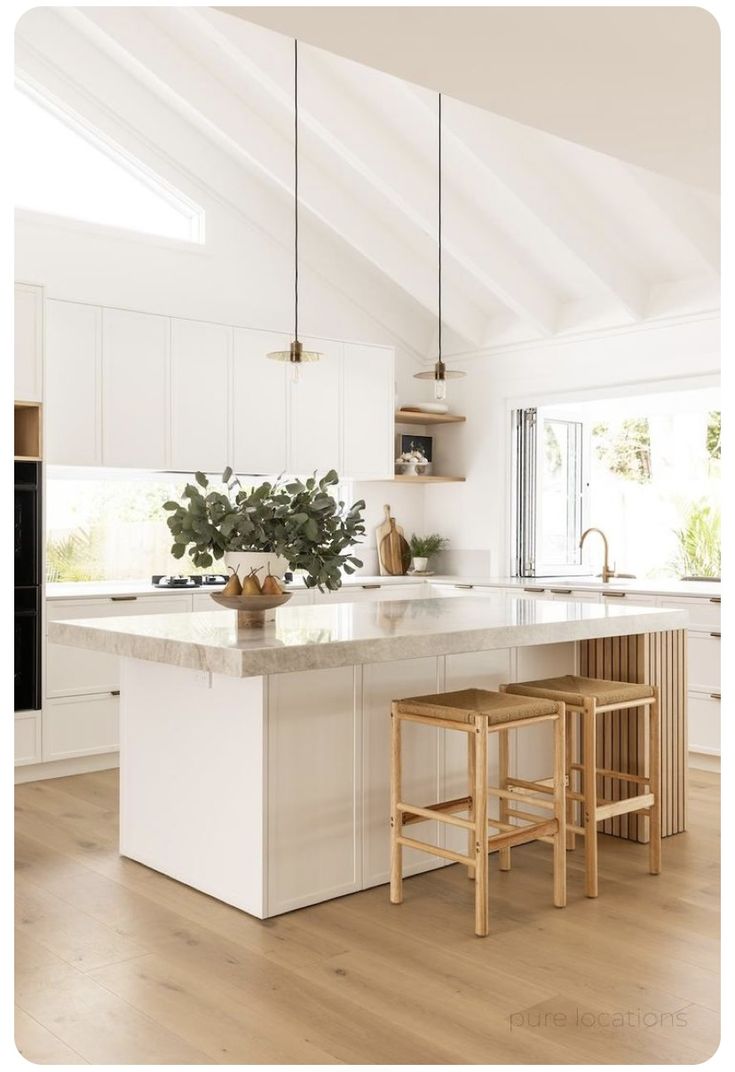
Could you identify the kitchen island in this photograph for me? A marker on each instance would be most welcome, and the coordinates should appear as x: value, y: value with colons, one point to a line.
x: 254, y: 765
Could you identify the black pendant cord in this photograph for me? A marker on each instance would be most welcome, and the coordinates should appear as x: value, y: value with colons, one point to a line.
x: 440, y: 227
x: 296, y: 185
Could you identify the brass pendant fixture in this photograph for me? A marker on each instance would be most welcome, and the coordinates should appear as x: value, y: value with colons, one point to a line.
x: 296, y: 355
x: 440, y: 373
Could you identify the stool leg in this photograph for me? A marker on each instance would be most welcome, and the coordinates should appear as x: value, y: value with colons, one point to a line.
x: 590, y: 798
x: 480, y: 800
x: 396, y: 850
x: 560, y: 805
x: 471, y: 809
x: 654, y: 774
x: 503, y: 806
x: 569, y: 749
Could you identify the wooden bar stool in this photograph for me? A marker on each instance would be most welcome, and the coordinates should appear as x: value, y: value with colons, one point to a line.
x: 589, y: 697
x: 478, y: 713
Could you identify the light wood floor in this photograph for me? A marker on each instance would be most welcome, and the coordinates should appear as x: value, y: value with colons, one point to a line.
x: 116, y: 963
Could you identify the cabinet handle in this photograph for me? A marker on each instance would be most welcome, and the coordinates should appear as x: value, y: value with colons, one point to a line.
x: 122, y: 599
x: 715, y: 696
x: 114, y: 692
x: 534, y: 589
x: 718, y: 635
x: 371, y: 586
x: 560, y: 591
x: 716, y: 599
x: 465, y: 586
x: 614, y: 595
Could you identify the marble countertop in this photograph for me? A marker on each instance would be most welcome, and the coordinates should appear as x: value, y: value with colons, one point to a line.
x: 662, y: 587
x: 341, y: 634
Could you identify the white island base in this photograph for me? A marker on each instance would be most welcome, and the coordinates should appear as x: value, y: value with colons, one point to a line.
x: 271, y: 793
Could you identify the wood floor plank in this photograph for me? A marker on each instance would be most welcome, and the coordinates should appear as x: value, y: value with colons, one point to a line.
x: 116, y: 963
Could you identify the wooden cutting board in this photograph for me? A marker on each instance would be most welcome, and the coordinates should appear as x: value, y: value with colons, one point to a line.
x: 381, y: 532
x: 395, y: 554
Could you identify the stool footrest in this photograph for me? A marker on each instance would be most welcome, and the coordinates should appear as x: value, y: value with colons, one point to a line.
x: 415, y: 814
x: 622, y: 807
x: 620, y: 776
x: 435, y: 850
x: 508, y: 794
x: 522, y: 835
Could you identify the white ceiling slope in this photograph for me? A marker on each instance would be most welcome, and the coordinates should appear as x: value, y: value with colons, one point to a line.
x: 640, y: 83
x: 542, y: 237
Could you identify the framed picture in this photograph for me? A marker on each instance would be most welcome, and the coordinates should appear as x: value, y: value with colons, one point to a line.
x: 424, y: 443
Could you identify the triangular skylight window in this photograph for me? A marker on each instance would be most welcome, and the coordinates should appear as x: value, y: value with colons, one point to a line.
x: 64, y: 168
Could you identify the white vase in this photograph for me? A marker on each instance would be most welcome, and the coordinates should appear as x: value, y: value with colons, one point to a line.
x: 420, y: 565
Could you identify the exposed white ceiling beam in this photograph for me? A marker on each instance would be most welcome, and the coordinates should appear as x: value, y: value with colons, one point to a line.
x: 693, y: 213
x: 242, y: 133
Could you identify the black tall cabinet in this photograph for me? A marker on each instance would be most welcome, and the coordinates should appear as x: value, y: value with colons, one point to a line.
x: 27, y: 542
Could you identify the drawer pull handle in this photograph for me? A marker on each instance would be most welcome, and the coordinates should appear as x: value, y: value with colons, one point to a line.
x: 718, y: 635
x: 614, y: 595
x: 371, y: 586
x: 716, y: 599
x: 534, y: 589
x: 123, y: 599
x: 114, y: 692
x: 560, y: 591
x: 715, y: 696
x: 464, y: 586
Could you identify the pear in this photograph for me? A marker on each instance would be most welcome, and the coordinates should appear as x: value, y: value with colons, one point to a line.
x: 271, y: 587
x: 251, y: 584
x: 233, y: 586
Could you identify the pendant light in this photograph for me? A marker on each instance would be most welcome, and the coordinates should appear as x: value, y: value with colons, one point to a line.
x: 296, y: 355
x: 440, y: 373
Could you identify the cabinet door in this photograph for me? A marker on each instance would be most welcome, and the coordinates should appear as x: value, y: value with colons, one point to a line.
x: 200, y: 396
x: 135, y: 395
x: 28, y: 339
x: 80, y: 726
x: 259, y: 403
x: 28, y: 738
x: 313, y: 797
x: 368, y: 408
x: 704, y: 722
x: 315, y: 412
x: 73, y: 387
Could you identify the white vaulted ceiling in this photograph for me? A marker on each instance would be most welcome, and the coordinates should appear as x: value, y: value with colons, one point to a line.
x: 542, y: 237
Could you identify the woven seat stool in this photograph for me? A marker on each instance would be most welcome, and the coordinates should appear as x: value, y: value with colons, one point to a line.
x: 478, y: 713
x: 587, y: 698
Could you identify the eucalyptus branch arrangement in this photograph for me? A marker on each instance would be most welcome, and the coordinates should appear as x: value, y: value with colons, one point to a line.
x: 297, y: 520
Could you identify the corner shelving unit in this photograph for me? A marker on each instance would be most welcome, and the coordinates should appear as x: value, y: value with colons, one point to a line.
x: 416, y: 417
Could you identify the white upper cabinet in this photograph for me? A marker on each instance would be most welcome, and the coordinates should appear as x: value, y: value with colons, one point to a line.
x: 315, y: 412
x: 28, y: 335
x: 200, y: 369
x: 368, y: 412
x: 73, y: 398
x: 135, y: 389
x: 259, y: 403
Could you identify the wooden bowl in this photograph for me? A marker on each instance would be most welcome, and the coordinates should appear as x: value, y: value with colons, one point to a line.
x: 251, y: 610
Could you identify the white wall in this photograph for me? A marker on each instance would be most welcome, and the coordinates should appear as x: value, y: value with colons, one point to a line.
x: 474, y: 515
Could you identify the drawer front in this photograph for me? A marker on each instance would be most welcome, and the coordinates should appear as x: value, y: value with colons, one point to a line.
x: 704, y: 614
x: 704, y: 661
x: 80, y: 726
x: 371, y: 593
x: 704, y: 723
x: 72, y: 670
x: 27, y: 738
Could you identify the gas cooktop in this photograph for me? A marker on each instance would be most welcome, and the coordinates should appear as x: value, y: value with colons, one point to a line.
x: 180, y: 580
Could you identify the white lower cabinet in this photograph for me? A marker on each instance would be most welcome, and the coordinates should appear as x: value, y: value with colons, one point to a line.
x: 313, y: 787
x: 81, y: 726
x: 704, y: 722
x: 28, y: 739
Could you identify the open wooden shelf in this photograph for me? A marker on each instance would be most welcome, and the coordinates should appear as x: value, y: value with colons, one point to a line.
x: 428, y: 479
x: 411, y: 416
x: 27, y: 433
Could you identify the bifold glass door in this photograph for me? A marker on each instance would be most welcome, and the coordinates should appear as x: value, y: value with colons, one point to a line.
x: 550, y: 484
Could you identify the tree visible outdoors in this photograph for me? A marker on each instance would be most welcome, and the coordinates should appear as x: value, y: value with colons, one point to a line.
x: 625, y: 448
x: 714, y: 432
x: 698, y: 551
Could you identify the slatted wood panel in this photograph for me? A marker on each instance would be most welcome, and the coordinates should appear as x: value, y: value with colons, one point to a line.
x: 657, y: 659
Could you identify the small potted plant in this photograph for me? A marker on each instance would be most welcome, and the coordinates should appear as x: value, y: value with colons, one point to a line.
x: 297, y: 523
x: 425, y: 547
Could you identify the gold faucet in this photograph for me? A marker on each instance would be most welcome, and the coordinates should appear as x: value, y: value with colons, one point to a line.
x: 607, y: 573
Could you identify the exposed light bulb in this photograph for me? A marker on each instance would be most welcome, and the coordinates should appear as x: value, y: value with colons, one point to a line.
x: 295, y: 371
x: 440, y: 389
